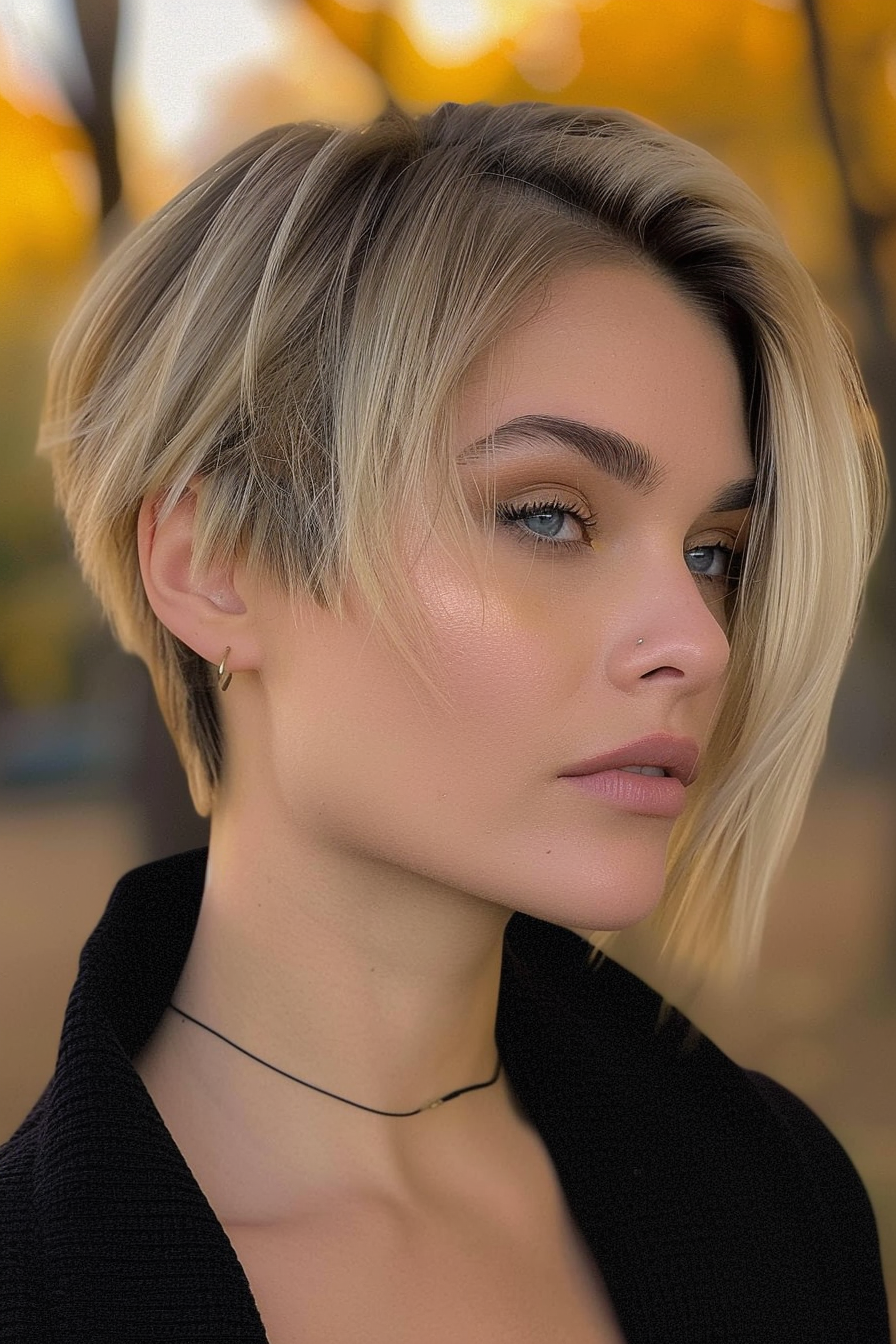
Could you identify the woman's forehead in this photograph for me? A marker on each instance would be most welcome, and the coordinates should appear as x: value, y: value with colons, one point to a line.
x: 618, y: 351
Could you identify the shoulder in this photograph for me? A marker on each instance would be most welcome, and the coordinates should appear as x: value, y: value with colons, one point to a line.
x: 805, y: 1185
x: 707, y: 1082
x: 18, y: 1223
x: 847, y: 1227
x: 790, y: 1175
x: 830, y: 1173
x: 720, y: 1189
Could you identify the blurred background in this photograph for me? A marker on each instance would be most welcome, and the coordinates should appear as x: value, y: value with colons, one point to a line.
x: 106, y: 110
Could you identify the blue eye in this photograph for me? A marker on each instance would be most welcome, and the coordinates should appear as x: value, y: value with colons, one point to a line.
x: 717, y: 563
x: 541, y: 511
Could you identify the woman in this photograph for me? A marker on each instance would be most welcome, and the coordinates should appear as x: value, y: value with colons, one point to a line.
x: 491, y: 497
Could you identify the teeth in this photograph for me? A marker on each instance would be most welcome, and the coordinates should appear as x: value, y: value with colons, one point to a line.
x: 644, y: 769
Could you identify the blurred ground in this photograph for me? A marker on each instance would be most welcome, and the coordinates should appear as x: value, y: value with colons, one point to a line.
x: 820, y: 1017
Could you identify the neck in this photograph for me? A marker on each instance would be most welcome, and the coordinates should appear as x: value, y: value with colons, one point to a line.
x: 352, y: 980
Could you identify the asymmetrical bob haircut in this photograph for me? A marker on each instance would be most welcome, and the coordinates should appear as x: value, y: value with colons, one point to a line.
x: 290, y: 336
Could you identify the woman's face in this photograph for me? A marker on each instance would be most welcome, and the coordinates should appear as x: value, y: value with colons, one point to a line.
x: 576, y: 650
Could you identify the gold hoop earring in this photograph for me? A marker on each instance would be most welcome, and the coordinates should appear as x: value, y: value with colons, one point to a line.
x: 223, y: 684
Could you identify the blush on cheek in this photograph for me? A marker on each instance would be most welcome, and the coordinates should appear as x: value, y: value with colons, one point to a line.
x: 494, y: 666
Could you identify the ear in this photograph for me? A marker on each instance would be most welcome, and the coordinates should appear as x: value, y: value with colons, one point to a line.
x: 207, y: 612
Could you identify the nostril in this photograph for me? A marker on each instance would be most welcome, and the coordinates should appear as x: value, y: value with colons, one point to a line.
x: 667, y: 671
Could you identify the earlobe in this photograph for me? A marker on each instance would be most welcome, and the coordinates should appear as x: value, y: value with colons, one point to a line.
x: 200, y: 609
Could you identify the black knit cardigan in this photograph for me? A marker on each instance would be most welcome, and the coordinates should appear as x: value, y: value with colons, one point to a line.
x: 718, y: 1206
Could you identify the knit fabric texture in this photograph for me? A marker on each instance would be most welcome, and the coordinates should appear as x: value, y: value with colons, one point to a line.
x: 717, y: 1205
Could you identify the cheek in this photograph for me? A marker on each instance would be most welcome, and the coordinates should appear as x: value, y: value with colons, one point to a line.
x: 465, y: 795
x: 489, y: 659
x: 503, y: 660
x: 379, y: 739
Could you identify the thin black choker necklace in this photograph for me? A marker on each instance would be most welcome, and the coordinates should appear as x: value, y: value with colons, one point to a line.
x: 430, y: 1106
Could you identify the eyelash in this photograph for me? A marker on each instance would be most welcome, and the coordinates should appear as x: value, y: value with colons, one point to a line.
x: 511, y: 514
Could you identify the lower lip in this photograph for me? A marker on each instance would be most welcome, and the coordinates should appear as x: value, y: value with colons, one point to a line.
x: 651, y: 795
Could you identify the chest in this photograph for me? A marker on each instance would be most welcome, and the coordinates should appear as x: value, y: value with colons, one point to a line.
x: 375, y: 1278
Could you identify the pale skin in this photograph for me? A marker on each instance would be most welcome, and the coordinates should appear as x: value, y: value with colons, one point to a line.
x: 367, y: 850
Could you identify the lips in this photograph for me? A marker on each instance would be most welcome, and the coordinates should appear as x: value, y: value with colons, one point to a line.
x: 677, y: 755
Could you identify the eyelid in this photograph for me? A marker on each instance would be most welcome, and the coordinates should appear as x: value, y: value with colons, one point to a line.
x: 737, y: 533
x: 513, y: 473
x: 722, y: 519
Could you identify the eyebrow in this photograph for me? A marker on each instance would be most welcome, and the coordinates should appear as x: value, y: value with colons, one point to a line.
x: 613, y: 453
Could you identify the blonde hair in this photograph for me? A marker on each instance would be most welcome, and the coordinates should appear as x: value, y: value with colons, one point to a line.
x: 295, y: 329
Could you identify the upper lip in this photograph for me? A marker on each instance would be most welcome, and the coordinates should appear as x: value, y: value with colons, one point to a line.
x: 678, y: 755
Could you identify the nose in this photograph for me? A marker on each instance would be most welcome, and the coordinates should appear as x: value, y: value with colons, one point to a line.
x: 673, y: 629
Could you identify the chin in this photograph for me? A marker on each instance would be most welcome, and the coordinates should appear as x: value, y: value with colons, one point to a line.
x: 627, y: 903
x: 609, y: 885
